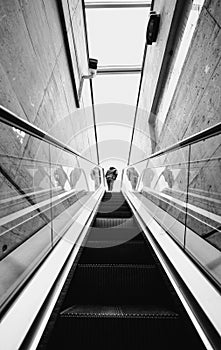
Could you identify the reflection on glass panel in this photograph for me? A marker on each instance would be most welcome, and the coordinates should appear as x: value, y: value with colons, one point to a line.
x: 24, y: 189
x: 117, y: 42
x: 73, y: 177
x: 25, y: 197
x: 204, y: 194
x: 65, y: 173
x: 161, y: 183
x: 91, y: 176
x: 42, y: 187
x: 204, y: 204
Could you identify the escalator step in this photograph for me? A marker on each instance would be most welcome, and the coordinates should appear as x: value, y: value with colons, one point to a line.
x: 114, y: 205
x: 114, y: 214
x: 119, y: 327
x: 132, y: 252
x: 118, y: 284
x: 114, y: 234
x: 119, y: 311
x: 113, y: 222
x: 112, y: 195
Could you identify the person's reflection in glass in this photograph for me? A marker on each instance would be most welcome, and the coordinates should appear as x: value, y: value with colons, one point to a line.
x: 168, y: 176
x: 60, y: 177
x: 96, y: 176
x: 111, y: 176
x: 147, y: 177
x: 133, y: 176
x: 75, y: 176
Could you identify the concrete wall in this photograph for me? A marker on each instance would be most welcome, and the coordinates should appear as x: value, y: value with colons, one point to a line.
x: 196, y: 103
x: 36, y: 80
x: 144, y: 135
x: 35, y: 75
x: 194, y: 106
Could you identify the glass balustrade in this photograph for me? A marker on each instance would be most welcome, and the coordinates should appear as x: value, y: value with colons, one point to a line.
x: 162, y: 186
x: 42, y: 188
x: 181, y: 188
x: 203, y: 231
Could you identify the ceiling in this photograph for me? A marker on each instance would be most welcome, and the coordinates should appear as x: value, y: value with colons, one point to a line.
x: 116, y: 37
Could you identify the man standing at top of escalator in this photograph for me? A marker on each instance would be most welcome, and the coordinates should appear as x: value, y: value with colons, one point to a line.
x: 111, y: 176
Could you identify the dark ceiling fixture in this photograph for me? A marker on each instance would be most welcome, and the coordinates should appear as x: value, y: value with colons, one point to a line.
x: 152, y: 28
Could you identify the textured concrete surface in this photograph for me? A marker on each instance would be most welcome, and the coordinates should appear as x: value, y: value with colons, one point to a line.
x: 198, y: 81
x: 155, y: 52
x: 35, y: 79
x: 152, y: 67
x: 195, y: 106
x: 196, y: 103
x: 36, y: 84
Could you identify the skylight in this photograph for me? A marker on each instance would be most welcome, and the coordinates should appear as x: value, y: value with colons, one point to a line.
x: 116, y: 88
x: 117, y: 36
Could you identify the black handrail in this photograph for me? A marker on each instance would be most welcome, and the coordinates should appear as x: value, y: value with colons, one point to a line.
x: 13, y: 120
x: 200, y: 136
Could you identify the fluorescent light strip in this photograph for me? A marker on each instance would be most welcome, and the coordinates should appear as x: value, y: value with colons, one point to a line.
x: 117, y: 4
x: 125, y: 69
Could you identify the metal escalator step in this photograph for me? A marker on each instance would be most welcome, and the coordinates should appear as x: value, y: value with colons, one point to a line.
x: 107, y: 201
x: 132, y: 252
x: 119, y: 311
x: 113, y: 222
x: 107, y: 207
x: 113, y: 204
x: 113, y: 196
x: 124, y: 214
x: 114, y: 234
x: 119, y: 327
x: 118, y: 284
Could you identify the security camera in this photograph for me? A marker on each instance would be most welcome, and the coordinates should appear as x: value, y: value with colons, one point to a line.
x: 93, y: 66
x: 152, y: 27
x: 92, y: 70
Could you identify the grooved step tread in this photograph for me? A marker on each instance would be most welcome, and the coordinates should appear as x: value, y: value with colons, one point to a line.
x: 114, y: 222
x: 114, y: 205
x: 119, y: 311
x: 118, y: 284
x: 114, y: 234
x: 104, y: 252
x: 115, y: 214
x: 118, y: 266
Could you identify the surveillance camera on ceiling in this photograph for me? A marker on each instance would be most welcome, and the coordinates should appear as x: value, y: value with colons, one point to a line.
x: 93, y: 66
x: 153, y: 27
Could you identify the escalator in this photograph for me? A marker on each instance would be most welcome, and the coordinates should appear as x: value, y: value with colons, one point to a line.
x: 117, y: 295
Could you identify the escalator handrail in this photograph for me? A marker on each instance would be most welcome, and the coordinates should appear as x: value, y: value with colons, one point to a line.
x: 200, y: 136
x: 11, y: 119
